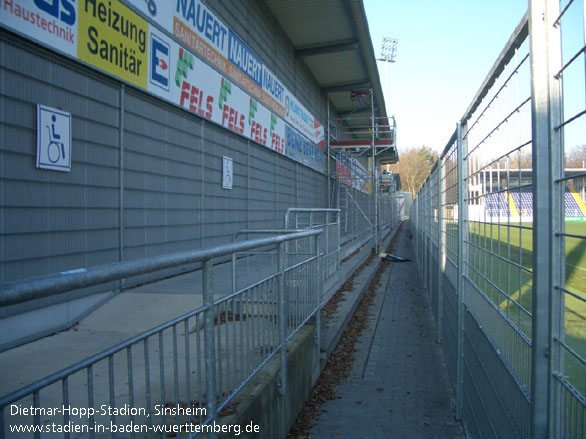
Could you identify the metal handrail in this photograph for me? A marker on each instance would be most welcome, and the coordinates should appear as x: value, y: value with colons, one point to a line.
x: 235, y: 236
x: 288, y: 322
x: 326, y: 225
x: 15, y: 292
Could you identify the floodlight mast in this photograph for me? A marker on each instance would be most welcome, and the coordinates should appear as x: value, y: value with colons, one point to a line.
x: 369, y: 138
x: 388, y: 55
x: 389, y: 49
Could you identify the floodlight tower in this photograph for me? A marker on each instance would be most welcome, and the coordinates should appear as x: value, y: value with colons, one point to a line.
x: 388, y: 55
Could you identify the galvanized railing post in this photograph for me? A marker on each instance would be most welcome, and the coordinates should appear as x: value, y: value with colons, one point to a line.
x: 422, y: 227
x: 417, y: 214
x: 234, y: 285
x: 428, y: 231
x: 557, y: 358
x: 542, y: 217
x: 210, y: 345
x: 430, y: 239
x: 318, y: 292
x: 327, y: 250
x: 421, y: 195
x: 462, y: 152
x: 283, y: 317
x: 441, y: 249
x: 338, y: 233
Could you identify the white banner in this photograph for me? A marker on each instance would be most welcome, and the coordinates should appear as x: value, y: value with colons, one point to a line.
x: 223, y: 82
x: 194, y: 25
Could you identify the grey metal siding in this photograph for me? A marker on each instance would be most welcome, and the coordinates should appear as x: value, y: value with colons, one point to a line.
x: 162, y: 181
x: 56, y: 221
x: 146, y: 176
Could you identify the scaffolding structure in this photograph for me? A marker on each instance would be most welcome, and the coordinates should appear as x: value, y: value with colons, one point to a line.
x: 354, y: 140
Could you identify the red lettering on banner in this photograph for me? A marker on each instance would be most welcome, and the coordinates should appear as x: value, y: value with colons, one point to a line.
x: 225, y: 114
x: 241, y: 129
x: 195, y: 97
x: 232, y: 120
x: 278, y: 144
x: 258, y: 133
x: 185, y: 88
x: 209, y: 106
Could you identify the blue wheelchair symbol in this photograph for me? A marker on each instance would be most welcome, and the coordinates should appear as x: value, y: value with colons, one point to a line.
x: 55, y: 150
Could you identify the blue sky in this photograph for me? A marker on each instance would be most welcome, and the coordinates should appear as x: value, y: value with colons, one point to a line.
x: 445, y: 51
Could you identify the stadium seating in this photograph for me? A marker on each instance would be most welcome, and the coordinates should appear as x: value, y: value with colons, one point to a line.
x: 497, y: 205
x: 524, y: 202
x: 572, y: 207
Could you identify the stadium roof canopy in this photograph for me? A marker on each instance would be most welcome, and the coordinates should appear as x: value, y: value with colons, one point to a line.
x: 333, y: 39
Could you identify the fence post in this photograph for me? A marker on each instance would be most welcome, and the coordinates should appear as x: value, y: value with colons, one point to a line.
x: 418, y: 215
x: 424, y: 258
x: 210, y: 345
x: 557, y: 411
x: 422, y: 193
x: 327, y: 251
x: 339, y: 216
x: 318, y: 298
x: 416, y: 234
x: 430, y: 239
x: 462, y: 250
x: 283, y: 316
x: 542, y: 217
x: 441, y: 241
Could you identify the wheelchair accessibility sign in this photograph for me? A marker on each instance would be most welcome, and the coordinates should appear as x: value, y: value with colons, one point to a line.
x: 53, y: 139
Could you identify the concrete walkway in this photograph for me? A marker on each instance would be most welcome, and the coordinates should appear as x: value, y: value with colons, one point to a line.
x: 398, y: 386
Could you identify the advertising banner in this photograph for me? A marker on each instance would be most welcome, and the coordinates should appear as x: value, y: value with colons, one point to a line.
x: 52, y: 23
x: 184, y: 79
x: 113, y: 38
x: 303, y: 151
x: 224, y: 82
x: 194, y: 25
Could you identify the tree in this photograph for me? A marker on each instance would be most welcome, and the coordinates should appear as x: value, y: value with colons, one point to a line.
x: 413, y: 167
x: 576, y: 157
x: 519, y: 160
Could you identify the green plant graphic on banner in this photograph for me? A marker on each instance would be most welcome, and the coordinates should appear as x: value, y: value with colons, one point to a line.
x: 273, y: 123
x: 252, y: 110
x: 225, y: 90
x: 185, y: 62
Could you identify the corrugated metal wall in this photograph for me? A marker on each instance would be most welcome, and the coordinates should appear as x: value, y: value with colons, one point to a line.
x: 53, y: 221
x: 146, y: 176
